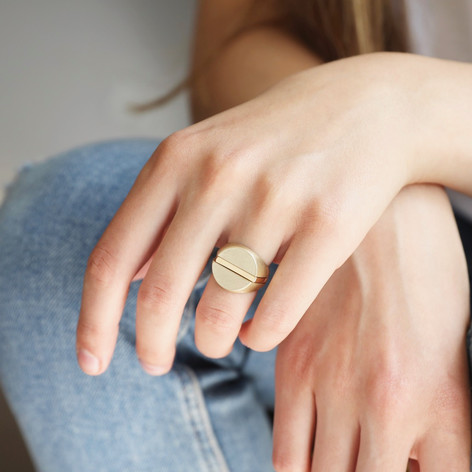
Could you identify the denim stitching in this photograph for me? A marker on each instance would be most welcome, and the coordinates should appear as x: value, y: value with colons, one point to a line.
x: 200, y: 420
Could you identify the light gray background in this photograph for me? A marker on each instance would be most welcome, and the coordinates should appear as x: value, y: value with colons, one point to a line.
x: 68, y: 70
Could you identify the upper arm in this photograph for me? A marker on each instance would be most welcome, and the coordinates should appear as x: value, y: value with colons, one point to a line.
x: 241, y: 48
x: 219, y: 21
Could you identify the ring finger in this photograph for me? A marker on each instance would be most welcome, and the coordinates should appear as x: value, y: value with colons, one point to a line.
x: 173, y: 272
x: 220, y: 312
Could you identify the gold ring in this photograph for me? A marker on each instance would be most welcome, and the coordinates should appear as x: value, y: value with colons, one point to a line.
x: 238, y: 269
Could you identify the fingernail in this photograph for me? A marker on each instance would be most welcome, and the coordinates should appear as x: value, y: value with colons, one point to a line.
x: 88, y: 362
x: 154, y: 369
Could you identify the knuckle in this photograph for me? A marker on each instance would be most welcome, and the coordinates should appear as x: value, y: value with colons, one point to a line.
x: 298, y: 359
x: 215, y: 173
x: 217, y: 178
x: 224, y: 165
x: 173, y: 143
x: 171, y: 151
x: 216, y: 318
x: 101, y: 265
x: 267, y: 195
x: 269, y: 328
x: 151, y: 169
x: 158, y: 292
x: 212, y: 185
x: 274, y: 319
x: 230, y: 156
x: 387, y: 391
x: 321, y: 215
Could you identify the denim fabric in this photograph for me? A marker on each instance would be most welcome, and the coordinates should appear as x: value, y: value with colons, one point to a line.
x: 204, y: 416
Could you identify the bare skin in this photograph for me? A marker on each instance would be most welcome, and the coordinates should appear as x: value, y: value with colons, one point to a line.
x: 300, y: 165
x: 377, y: 366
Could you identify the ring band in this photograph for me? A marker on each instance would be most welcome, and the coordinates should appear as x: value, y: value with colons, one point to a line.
x: 238, y: 269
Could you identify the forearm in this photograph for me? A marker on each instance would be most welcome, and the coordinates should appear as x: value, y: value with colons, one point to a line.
x: 262, y: 56
x: 447, y: 96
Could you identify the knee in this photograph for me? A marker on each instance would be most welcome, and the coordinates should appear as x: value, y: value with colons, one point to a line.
x: 71, y: 189
x: 54, y: 211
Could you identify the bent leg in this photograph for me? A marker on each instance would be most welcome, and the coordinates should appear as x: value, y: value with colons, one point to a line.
x: 205, y: 415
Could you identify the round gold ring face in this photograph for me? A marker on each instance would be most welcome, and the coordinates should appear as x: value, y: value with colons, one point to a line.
x: 238, y: 269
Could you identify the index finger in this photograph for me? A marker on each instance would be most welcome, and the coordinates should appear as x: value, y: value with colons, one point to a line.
x: 125, y: 245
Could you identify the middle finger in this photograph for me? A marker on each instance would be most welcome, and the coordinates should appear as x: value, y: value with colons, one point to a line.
x: 174, y: 270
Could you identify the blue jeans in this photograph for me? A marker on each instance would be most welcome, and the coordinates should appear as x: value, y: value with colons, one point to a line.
x: 206, y: 415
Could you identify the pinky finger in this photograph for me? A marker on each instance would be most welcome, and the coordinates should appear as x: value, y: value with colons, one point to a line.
x: 303, y: 271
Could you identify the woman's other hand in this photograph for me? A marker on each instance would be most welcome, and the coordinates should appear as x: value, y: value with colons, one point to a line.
x: 376, y: 370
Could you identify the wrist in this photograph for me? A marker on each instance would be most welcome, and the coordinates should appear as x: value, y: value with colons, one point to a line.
x: 417, y: 228
x: 433, y: 97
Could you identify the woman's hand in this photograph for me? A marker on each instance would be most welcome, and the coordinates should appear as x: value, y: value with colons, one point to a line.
x: 298, y: 174
x: 376, y: 370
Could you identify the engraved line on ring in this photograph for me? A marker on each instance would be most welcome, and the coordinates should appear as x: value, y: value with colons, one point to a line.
x: 239, y: 271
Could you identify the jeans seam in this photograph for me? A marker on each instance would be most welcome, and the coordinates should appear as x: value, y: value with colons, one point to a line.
x: 200, y: 421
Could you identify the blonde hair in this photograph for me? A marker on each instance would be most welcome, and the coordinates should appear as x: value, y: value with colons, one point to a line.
x: 333, y: 29
x: 341, y: 28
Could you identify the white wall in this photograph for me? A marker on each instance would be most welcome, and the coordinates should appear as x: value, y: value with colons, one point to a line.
x: 69, y: 68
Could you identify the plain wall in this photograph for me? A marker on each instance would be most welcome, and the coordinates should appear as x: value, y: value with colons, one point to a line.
x: 69, y: 69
